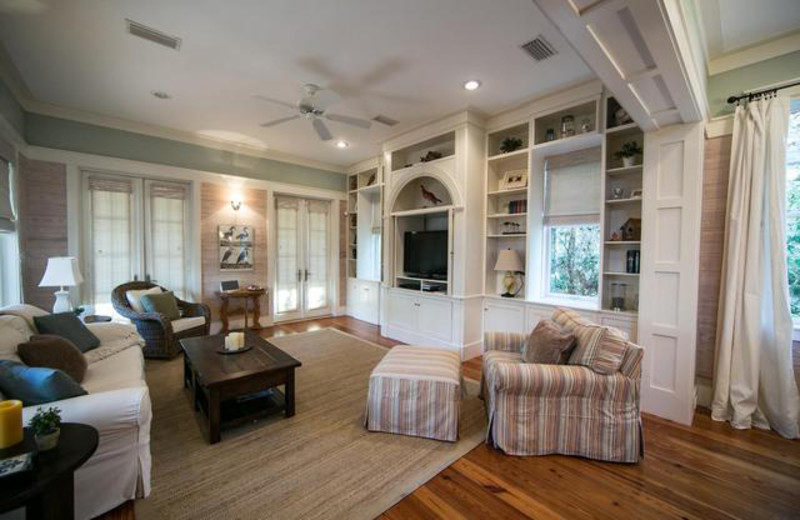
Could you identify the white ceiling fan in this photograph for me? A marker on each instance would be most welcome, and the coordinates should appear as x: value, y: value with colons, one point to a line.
x: 313, y: 106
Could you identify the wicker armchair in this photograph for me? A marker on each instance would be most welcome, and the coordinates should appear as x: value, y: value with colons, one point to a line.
x: 157, y: 331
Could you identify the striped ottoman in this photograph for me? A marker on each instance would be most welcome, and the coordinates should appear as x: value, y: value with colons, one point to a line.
x: 416, y: 391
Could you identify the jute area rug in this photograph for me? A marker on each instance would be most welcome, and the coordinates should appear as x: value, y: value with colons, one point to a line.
x: 321, y: 463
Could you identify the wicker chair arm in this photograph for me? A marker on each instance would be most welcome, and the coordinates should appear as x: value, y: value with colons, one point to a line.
x: 189, y: 309
x: 156, y: 317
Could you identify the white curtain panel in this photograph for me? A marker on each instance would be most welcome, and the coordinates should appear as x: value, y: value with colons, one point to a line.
x: 754, y: 381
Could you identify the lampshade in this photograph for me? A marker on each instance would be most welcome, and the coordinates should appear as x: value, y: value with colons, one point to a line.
x: 62, y: 271
x: 509, y: 260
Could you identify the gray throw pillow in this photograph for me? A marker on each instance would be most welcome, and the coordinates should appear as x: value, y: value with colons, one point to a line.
x: 48, y: 351
x: 548, y: 344
x: 164, y: 303
x: 67, y: 325
x: 33, y: 385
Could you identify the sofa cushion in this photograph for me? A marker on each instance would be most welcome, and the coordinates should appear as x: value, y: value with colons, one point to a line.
x: 610, y: 352
x: 599, y: 348
x: 134, y: 297
x: 50, y: 351
x: 548, y: 344
x: 163, y: 303
x: 125, y: 369
x: 67, y: 325
x: 13, y: 331
x: 187, y: 323
x: 34, y: 385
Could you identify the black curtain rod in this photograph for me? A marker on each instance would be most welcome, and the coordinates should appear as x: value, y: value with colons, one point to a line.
x: 752, y: 95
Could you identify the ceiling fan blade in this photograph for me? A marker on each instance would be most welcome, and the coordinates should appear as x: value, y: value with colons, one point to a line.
x: 279, y: 121
x: 361, y: 123
x: 322, y: 130
x: 275, y: 101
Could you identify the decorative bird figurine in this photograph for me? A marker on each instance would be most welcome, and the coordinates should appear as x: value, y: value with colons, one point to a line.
x: 244, y: 235
x: 243, y: 256
x: 228, y: 253
x: 429, y: 196
x: 227, y: 235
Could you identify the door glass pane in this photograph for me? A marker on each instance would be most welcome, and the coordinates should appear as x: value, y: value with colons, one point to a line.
x: 317, y: 286
x: 167, y: 214
x: 287, y: 294
x: 111, y: 242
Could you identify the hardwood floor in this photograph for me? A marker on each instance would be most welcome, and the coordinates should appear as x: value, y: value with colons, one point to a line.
x: 708, y: 470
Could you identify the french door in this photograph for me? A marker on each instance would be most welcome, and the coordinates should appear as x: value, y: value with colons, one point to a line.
x: 303, y: 245
x: 136, y: 230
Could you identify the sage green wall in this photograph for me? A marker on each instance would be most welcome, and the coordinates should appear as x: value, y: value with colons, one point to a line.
x: 65, y: 134
x: 750, y: 77
x: 11, y: 110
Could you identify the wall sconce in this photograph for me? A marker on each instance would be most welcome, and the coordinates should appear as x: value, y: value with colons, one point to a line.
x: 236, y: 203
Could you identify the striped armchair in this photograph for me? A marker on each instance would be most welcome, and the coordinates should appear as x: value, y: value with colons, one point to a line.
x: 566, y: 409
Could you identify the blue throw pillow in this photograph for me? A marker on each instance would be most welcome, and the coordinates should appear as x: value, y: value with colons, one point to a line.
x: 33, y: 385
x: 67, y: 325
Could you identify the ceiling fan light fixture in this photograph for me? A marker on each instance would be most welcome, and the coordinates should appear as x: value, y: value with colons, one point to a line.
x: 342, y: 144
x: 472, y: 84
x: 160, y: 94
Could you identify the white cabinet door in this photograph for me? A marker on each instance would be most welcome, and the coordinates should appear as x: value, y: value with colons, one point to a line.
x: 672, y: 185
x: 435, y: 318
x: 402, y: 311
x: 503, y: 317
x: 533, y: 315
x: 369, y: 301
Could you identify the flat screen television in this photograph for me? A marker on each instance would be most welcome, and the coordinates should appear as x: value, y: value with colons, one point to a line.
x: 425, y: 254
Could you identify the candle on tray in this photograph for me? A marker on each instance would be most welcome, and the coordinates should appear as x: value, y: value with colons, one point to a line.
x: 10, y: 423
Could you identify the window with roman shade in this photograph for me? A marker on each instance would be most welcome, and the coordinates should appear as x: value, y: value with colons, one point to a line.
x: 111, y: 202
x: 7, y: 217
x: 167, y: 234
x: 572, y: 225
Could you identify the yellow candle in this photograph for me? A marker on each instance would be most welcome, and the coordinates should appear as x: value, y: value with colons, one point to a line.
x: 10, y: 423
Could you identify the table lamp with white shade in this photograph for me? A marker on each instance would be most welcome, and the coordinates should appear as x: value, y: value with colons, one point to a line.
x: 508, y: 260
x: 62, y: 271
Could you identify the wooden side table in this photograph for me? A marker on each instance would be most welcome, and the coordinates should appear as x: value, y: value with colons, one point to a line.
x: 245, y: 295
x: 48, y: 492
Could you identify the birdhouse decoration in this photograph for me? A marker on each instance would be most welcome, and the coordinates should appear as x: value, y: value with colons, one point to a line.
x: 236, y: 247
x: 631, y: 230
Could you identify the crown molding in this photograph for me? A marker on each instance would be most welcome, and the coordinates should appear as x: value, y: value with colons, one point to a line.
x: 755, y: 53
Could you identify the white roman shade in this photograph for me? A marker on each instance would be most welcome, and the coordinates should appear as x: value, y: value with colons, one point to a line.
x: 572, y: 190
x: 167, y: 234
x: 111, y: 234
x: 6, y: 205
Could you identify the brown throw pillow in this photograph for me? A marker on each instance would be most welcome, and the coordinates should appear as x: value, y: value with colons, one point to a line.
x: 49, y: 351
x: 548, y: 344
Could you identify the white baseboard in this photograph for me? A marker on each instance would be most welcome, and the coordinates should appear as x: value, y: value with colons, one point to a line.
x: 471, y: 350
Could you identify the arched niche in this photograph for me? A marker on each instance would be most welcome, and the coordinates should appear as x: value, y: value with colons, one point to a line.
x: 422, y: 192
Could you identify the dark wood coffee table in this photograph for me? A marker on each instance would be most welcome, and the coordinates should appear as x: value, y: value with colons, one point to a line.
x: 233, y: 389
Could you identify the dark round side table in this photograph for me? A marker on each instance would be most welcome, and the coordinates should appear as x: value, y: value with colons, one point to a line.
x: 48, y: 490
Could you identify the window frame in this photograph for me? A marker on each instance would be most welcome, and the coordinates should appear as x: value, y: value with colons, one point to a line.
x: 794, y: 99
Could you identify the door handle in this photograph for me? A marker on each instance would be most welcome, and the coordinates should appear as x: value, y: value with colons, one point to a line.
x: 307, y: 273
x: 299, y: 275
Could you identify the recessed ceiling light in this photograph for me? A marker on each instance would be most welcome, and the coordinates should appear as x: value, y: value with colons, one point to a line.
x: 342, y: 144
x: 160, y: 94
x: 472, y: 84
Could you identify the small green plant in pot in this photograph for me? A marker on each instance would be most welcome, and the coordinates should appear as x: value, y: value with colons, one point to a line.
x: 628, y: 153
x: 46, y: 426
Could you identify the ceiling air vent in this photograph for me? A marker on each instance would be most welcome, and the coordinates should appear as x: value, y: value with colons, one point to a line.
x: 153, y: 35
x: 388, y: 121
x: 539, y: 49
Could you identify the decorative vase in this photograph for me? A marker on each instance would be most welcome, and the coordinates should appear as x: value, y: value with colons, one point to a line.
x: 48, y: 441
x: 627, y: 162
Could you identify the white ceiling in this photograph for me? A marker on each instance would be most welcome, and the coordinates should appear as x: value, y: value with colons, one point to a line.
x: 733, y: 24
x: 405, y: 59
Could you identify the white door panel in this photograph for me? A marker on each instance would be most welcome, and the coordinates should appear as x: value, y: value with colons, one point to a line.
x: 435, y: 318
x: 672, y: 185
x: 402, y: 311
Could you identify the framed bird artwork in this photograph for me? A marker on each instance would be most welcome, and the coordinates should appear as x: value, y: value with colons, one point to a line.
x: 236, y: 247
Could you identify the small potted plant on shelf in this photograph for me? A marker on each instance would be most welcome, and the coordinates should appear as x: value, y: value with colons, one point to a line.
x: 628, y: 153
x: 510, y: 144
x: 46, y: 426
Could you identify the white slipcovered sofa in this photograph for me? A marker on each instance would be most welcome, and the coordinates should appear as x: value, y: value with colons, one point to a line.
x: 117, y: 405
